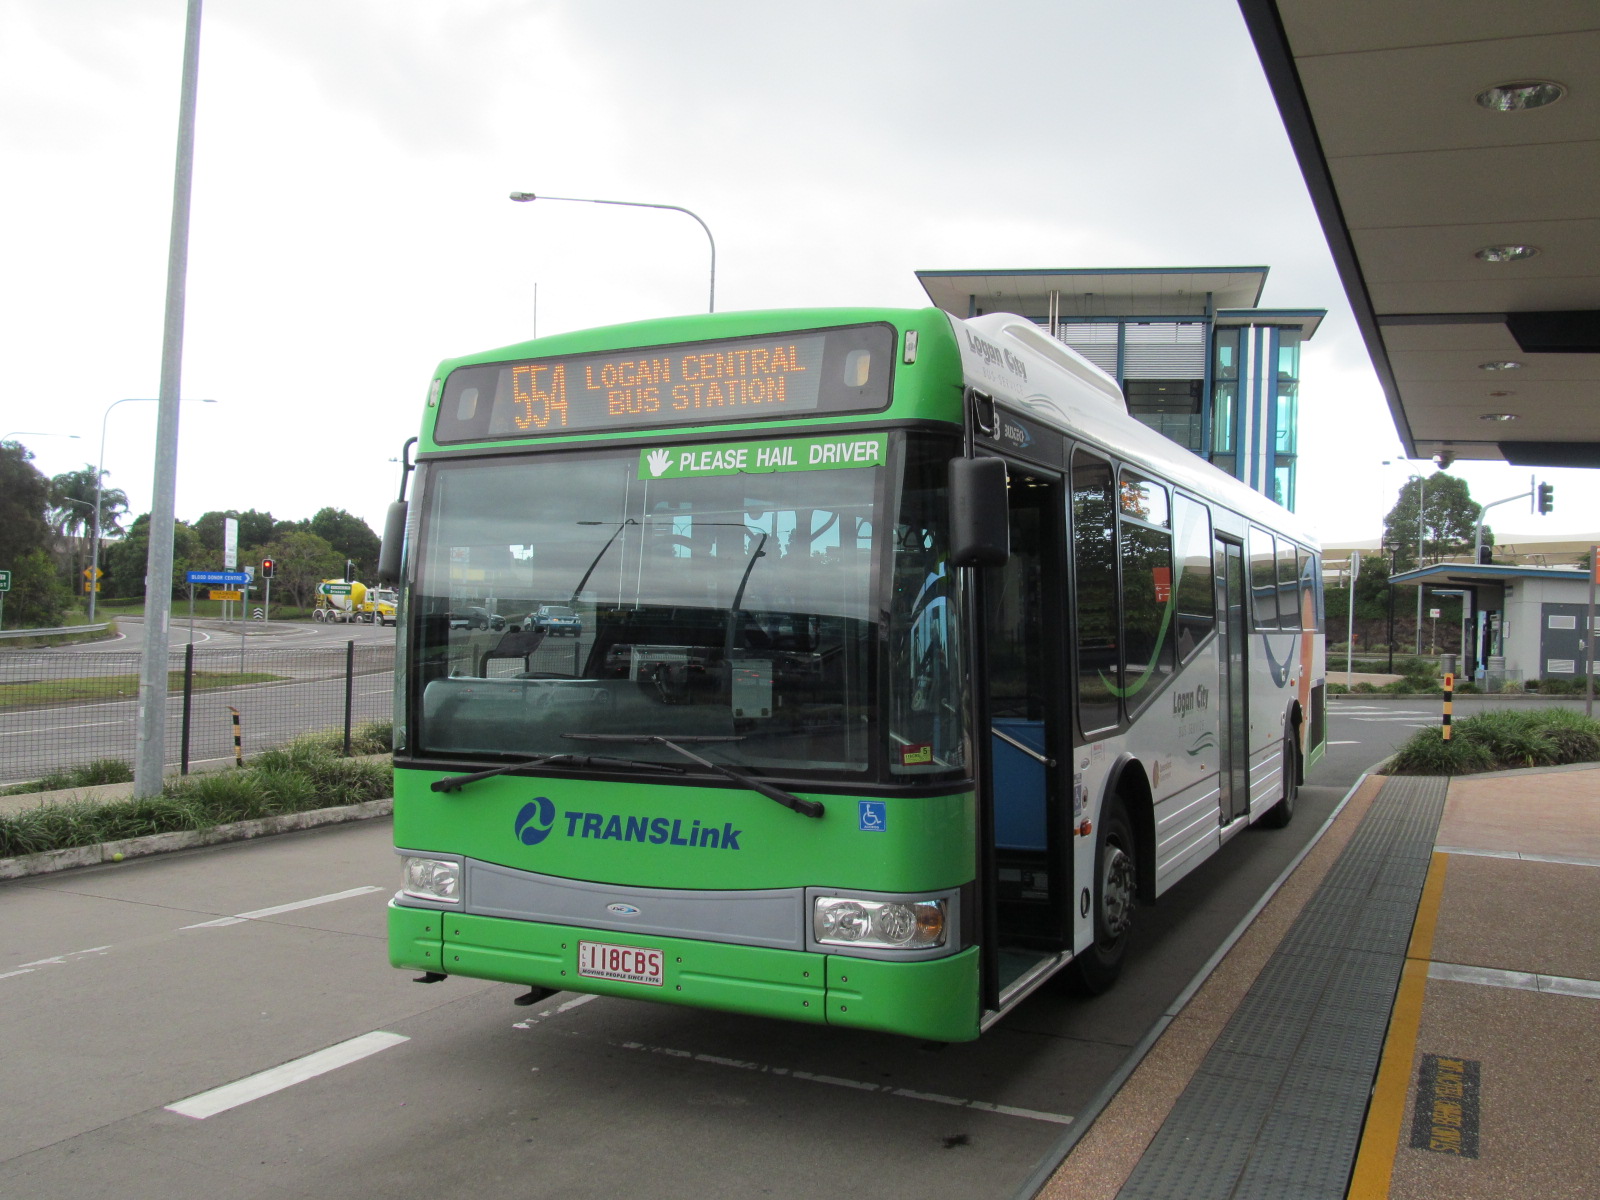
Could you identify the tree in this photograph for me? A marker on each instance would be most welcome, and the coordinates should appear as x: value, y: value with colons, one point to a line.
x: 72, y: 496
x: 125, y: 562
x: 255, y: 531
x: 301, y: 560
x: 72, y: 501
x: 1448, y: 520
x: 37, y: 598
x: 350, y: 536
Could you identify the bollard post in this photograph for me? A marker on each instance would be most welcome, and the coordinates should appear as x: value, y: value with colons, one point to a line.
x: 238, y: 744
x: 1449, y: 692
x: 188, y: 695
x: 349, y: 689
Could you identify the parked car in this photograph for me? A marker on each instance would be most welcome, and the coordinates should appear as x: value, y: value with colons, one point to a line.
x: 476, y: 618
x: 554, y: 619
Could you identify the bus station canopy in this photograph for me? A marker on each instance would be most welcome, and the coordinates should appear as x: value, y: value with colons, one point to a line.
x: 1433, y: 181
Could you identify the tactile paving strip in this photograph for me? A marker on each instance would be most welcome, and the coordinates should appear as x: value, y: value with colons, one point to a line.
x: 1275, y: 1112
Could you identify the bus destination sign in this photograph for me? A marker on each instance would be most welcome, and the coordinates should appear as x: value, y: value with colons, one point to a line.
x: 698, y: 383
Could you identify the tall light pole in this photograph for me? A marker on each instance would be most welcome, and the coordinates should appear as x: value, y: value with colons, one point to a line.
x: 99, y: 487
x: 16, y: 433
x: 150, y: 758
x: 711, y: 305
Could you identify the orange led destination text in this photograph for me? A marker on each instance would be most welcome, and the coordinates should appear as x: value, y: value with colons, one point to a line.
x: 637, y: 387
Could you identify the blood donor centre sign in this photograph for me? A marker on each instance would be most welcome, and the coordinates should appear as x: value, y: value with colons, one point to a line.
x: 760, y: 458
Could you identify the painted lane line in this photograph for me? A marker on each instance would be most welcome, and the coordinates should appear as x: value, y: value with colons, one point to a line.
x: 566, y: 1006
x: 275, y: 910
x: 276, y: 1079
x: 1005, y: 1110
x: 56, y: 960
x: 1525, y: 981
x: 1343, y: 743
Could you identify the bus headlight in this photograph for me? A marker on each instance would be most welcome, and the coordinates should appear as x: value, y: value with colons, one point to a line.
x: 886, y: 924
x: 432, y: 878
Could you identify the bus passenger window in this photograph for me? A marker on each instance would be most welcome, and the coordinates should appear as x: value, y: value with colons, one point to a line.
x: 1094, y: 563
x: 1263, y: 579
x: 1146, y: 548
x: 1288, y: 586
x: 1197, y: 602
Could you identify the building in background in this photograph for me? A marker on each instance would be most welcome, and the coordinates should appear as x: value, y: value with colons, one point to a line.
x: 1195, y: 357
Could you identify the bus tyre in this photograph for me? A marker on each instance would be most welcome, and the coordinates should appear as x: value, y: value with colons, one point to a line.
x: 1281, y: 813
x: 1116, y: 894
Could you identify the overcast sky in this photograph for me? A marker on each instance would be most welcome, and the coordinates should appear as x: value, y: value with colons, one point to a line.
x: 351, y: 225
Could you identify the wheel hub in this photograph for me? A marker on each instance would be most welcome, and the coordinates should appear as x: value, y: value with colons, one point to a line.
x: 1117, y: 892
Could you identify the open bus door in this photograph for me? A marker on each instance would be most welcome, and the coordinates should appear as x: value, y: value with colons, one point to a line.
x: 1024, y: 869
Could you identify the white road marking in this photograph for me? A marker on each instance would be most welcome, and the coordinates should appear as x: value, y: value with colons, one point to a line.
x: 1343, y: 743
x: 37, y: 729
x: 1005, y: 1110
x: 240, y: 918
x: 276, y: 1079
x: 566, y: 1006
x: 1526, y: 981
x: 56, y: 960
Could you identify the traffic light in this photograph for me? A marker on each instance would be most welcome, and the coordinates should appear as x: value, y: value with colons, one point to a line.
x: 266, y: 568
x: 1485, y: 555
x: 1547, y: 497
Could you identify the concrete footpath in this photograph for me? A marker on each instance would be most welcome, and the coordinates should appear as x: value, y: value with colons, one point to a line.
x: 1414, y: 1014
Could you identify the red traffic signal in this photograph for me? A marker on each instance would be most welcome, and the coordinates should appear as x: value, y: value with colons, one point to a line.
x: 266, y: 568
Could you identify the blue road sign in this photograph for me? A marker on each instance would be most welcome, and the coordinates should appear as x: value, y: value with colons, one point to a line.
x: 232, y: 577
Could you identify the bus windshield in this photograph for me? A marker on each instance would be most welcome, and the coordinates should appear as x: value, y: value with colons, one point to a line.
x: 601, y: 593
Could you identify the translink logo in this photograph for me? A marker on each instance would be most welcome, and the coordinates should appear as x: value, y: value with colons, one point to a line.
x: 537, y: 819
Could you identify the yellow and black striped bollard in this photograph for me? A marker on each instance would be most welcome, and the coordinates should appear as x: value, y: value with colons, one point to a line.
x: 238, y: 744
x: 1449, y: 693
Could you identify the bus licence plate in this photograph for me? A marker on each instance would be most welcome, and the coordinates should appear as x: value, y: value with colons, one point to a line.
x: 631, y: 964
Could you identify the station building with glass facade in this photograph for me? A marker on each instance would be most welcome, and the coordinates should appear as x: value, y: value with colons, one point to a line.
x: 1194, y: 355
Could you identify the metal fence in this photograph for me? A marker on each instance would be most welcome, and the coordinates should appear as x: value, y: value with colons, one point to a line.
x: 63, y: 710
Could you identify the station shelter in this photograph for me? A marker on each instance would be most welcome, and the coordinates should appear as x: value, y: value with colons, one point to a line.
x: 1528, y: 622
x: 1196, y: 358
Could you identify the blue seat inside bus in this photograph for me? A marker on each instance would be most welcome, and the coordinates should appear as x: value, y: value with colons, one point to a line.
x: 1019, y: 785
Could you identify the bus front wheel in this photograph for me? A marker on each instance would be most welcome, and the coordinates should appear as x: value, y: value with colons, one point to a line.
x: 1116, y: 895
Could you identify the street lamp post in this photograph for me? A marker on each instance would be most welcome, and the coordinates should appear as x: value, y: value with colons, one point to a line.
x: 1394, y: 562
x: 16, y: 433
x: 711, y: 306
x: 99, y: 487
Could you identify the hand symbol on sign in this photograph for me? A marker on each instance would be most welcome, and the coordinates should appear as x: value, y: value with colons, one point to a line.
x: 659, y: 460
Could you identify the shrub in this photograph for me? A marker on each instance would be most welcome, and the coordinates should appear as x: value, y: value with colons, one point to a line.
x: 309, y: 773
x: 1501, y: 739
x: 101, y: 770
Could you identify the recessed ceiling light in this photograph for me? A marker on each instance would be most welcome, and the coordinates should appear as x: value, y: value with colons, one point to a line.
x: 1509, y: 253
x: 1499, y: 366
x: 1498, y: 417
x: 1524, y: 93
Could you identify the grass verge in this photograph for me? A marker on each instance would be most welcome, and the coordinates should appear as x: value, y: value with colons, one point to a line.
x: 1501, y: 740
x: 35, y: 693
x: 307, y: 774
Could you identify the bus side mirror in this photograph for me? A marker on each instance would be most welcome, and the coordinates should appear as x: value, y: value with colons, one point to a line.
x: 394, y: 536
x: 980, y: 525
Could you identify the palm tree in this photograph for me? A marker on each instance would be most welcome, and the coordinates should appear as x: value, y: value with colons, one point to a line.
x: 72, y: 504
x: 72, y: 496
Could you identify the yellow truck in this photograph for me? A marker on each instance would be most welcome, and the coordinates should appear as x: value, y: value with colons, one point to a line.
x: 340, y: 600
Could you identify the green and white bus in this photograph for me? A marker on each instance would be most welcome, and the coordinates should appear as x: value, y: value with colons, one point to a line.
x: 908, y: 666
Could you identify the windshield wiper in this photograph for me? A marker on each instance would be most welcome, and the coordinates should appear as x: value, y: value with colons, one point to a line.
x: 456, y: 782
x: 806, y: 808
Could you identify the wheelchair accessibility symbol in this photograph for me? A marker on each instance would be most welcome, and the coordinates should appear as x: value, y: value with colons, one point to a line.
x: 873, y: 816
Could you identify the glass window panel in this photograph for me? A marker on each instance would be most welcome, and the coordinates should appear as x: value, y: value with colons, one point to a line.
x: 1197, y: 602
x: 1288, y: 586
x: 1263, y: 579
x: 1095, y: 580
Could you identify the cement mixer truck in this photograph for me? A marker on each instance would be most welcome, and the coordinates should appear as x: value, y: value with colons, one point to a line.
x: 340, y: 600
